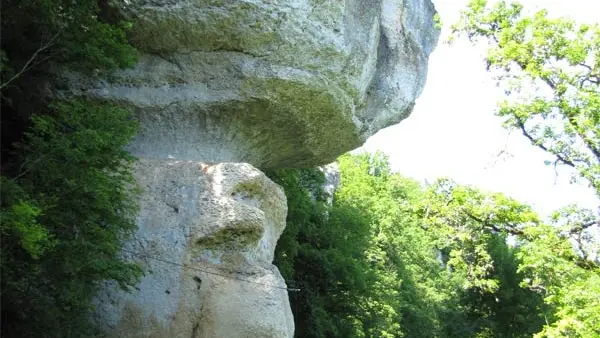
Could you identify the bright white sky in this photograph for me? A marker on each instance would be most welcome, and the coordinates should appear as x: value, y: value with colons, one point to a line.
x: 453, y: 131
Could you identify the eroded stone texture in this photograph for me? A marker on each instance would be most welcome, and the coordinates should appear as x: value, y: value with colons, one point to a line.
x: 275, y: 83
x: 206, y: 239
x: 331, y: 174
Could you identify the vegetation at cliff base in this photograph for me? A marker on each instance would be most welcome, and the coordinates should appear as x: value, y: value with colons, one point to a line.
x: 66, y: 186
x: 392, y: 258
x: 372, y: 265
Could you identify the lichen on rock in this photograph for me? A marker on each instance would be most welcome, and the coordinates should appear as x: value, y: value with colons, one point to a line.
x: 207, y: 253
x: 287, y: 83
x: 271, y: 83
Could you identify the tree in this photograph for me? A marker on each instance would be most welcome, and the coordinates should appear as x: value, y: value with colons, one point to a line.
x: 64, y: 218
x: 365, y: 266
x: 550, y: 69
x: 68, y: 201
x: 548, y: 263
x: 410, y: 292
x: 390, y: 258
x: 35, y: 32
x: 472, y: 228
x: 321, y: 251
x: 79, y: 35
x: 571, y: 289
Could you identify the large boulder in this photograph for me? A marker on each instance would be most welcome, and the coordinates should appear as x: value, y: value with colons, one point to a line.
x: 274, y: 83
x: 206, y: 238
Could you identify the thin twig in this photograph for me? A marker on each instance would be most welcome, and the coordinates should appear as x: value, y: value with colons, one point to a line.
x: 28, y: 64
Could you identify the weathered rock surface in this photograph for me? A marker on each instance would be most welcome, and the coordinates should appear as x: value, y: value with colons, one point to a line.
x: 274, y: 83
x: 332, y: 180
x: 206, y: 238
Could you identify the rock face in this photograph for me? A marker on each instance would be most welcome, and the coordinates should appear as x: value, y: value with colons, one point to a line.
x: 206, y: 239
x: 274, y: 83
x: 332, y: 180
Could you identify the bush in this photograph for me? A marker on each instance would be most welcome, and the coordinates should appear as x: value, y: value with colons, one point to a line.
x: 64, y: 218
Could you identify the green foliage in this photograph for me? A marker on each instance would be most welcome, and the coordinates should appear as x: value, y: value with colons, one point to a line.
x: 405, y: 297
x: 63, y: 31
x: 64, y: 217
x: 390, y: 258
x: 67, y: 195
x: 550, y: 69
x: 508, y: 311
x: 556, y: 272
x: 467, y: 219
x: 80, y: 35
x: 321, y: 252
x: 437, y: 21
x: 549, y: 267
x: 472, y: 228
x: 19, y: 220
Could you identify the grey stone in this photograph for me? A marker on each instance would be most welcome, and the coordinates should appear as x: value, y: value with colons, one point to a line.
x: 274, y: 83
x: 206, y: 238
x: 331, y: 173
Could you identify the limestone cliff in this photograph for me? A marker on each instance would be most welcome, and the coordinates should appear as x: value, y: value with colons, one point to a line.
x: 206, y: 237
x: 271, y: 83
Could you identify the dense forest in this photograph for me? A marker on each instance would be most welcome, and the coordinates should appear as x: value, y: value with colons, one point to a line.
x: 387, y: 257
x: 393, y: 258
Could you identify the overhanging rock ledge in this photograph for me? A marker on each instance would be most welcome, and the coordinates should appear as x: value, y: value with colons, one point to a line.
x: 224, y: 87
x: 274, y: 83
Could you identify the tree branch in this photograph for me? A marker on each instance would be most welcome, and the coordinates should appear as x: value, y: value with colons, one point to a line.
x: 29, y: 62
x: 579, y: 228
x: 512, y: 230
x: 590, y: 145
x: 561, y: 158
x: 580, y: 131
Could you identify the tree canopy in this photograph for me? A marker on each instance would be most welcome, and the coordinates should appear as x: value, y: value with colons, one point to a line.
x: 392, y: 258
x: 67, y: 202
x: 550, y: 70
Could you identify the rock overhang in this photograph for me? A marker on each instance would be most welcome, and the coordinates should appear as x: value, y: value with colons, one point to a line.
x: 272, y: 83
x: 288, y: 83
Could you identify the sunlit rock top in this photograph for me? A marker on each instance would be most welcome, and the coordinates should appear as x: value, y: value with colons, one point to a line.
x: 275, y: 83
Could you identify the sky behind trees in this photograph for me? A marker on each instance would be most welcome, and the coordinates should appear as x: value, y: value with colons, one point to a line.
x: 453, y: 131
